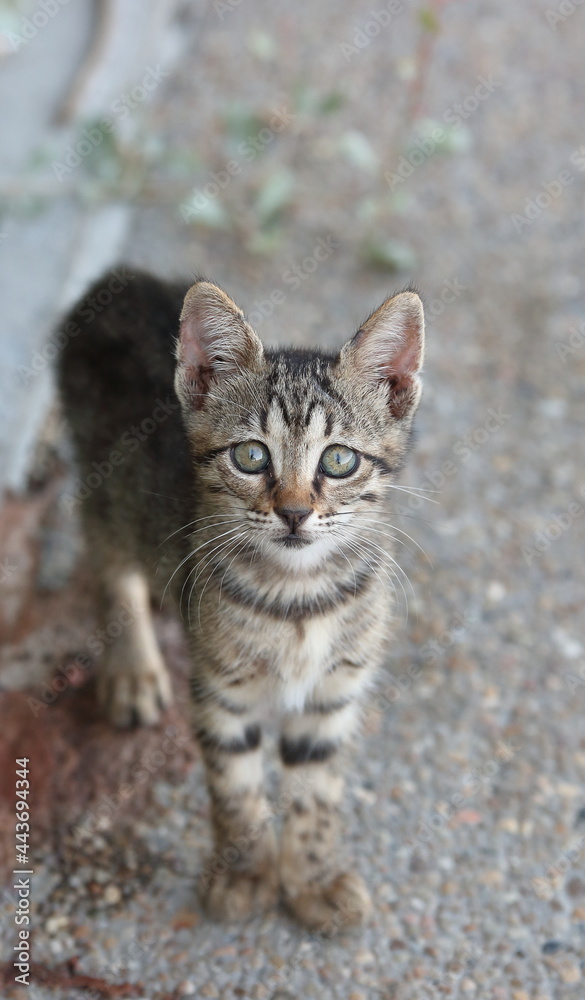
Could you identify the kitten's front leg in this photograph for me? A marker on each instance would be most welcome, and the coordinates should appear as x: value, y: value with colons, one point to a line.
x: 240, y: 877
x: 133, y: 683
x: 320, y: 893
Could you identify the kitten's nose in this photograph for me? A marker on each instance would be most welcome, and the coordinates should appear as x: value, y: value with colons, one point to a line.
x: 293, y: 518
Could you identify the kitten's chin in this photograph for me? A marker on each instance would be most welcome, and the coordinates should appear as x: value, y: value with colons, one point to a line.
x: 300, y: 554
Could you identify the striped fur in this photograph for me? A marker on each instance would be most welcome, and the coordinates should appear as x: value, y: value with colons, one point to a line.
x: 294, y: 626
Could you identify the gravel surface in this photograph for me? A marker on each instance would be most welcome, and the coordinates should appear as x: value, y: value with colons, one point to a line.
x: 466, y: 811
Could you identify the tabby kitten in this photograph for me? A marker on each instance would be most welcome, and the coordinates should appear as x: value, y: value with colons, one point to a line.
x: 254, y: 494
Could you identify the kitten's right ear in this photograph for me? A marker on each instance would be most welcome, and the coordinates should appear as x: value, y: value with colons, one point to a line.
x: 387, y: 351
x: 215, y: 343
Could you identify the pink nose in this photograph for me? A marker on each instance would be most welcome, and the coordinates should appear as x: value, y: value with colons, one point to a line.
x: 293, y: 518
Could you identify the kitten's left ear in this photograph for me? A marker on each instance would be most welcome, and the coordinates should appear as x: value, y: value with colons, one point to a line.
x: 388, y: 350
x: 215, y: 343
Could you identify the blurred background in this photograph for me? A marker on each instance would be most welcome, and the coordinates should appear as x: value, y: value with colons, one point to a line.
x: 313, y: 159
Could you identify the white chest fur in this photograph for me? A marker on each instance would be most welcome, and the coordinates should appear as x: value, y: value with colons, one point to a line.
x: 303, y: 654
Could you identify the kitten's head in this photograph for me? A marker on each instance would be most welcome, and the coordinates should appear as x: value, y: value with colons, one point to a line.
x: 297, y: 447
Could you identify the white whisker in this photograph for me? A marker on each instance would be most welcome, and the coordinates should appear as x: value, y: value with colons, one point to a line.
x: 207, y: 517
x: 189, y: 556
x: 231, y: 542
x: 242, y: 545
x: 394, y: 528
x: 362, y: 555
x: 413, y: 492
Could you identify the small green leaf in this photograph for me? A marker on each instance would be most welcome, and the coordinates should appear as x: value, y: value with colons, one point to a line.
x: 274, y: 196
x: 203, y: 211
x: 437, y: 137
x: 241, y: 121
x: 367, y: 209
x: 183, y: 162
x: 457, y: 140
x: 358, y: 150
x: 265, y: 242
x: 429, y: 20
x: 389, y: 255
x: 308, y: 101
x: 331, y: 102
x: 261, y: 45
x: 304, y: 98
x: 400, y: 202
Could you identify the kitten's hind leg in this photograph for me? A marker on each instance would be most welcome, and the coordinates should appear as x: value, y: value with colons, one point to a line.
x: 133, y: 683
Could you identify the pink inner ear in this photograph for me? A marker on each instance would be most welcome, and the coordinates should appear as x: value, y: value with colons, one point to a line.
x: 192, y: 351
x: 194, y: 359
x: 197, y: 324
x: 405, y: 359
x: 389, y: 348
x: 401, y: 370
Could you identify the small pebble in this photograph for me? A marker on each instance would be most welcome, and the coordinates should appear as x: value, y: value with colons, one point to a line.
x: 575, y: 887
x: 495, y: 592
x: 570, y: 973
x: 551, y: 947
x: 186, y: 988
x: 509, y: 824
x: 56, y: 923
x: 112, y: 895
x: 364, y: 957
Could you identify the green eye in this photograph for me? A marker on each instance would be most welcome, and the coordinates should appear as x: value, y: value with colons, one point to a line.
x: 337, y: 460
x: 251, y: 456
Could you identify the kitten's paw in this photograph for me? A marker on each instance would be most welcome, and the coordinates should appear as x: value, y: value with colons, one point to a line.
x: 331, y: 907
x: 134, y: 695
x: 237, y: 895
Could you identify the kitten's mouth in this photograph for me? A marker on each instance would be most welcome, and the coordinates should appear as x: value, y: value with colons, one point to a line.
x: 294, y: 541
